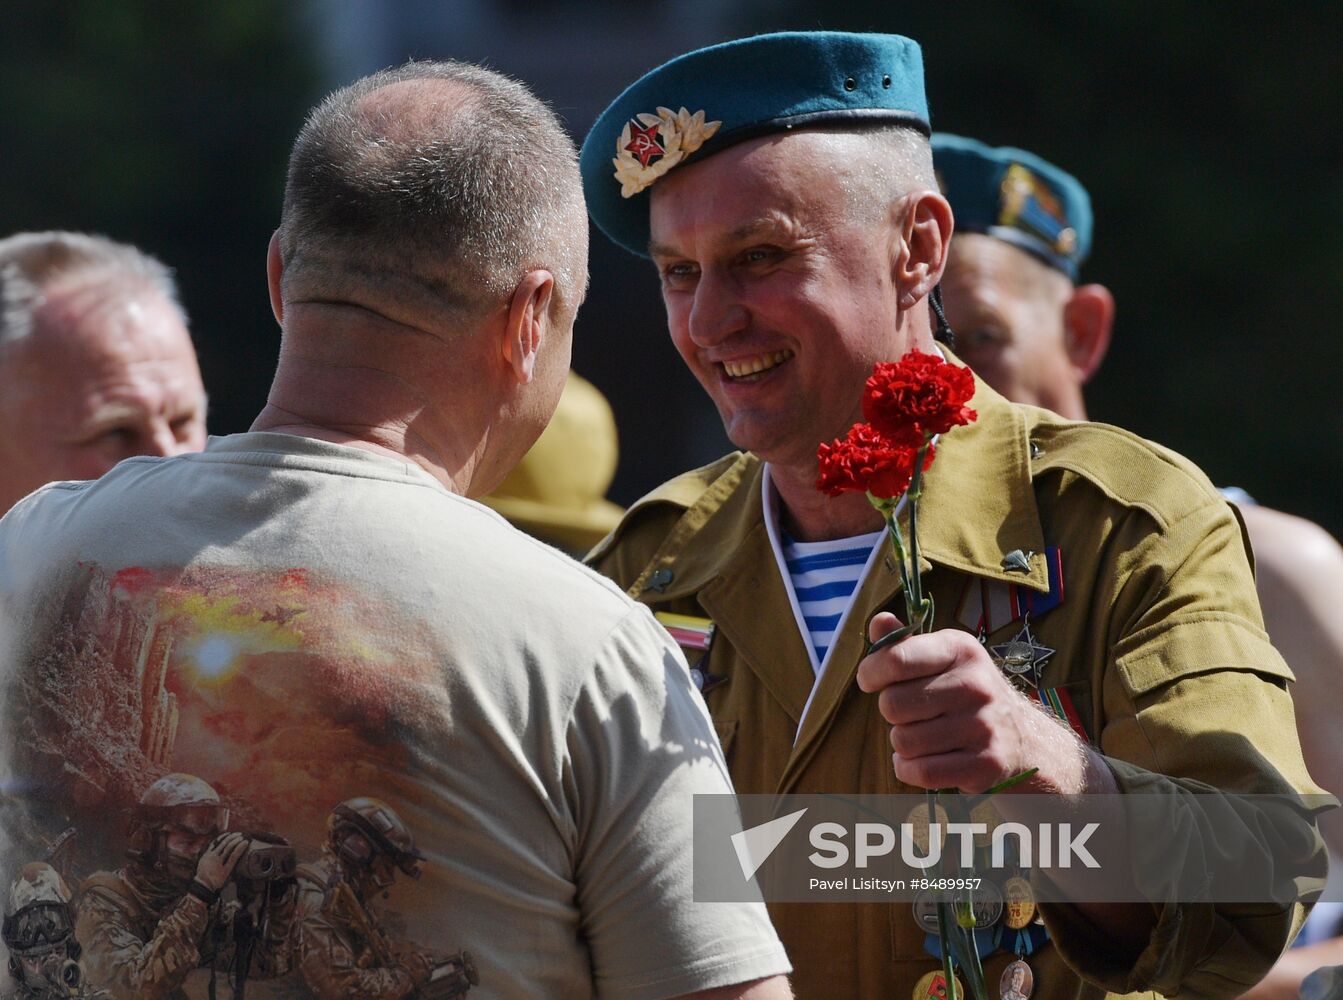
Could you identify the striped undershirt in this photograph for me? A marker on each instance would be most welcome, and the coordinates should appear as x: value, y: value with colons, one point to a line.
x: 825, y: 575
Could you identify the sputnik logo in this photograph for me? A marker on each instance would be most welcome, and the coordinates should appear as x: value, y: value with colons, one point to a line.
x: 754, y: 846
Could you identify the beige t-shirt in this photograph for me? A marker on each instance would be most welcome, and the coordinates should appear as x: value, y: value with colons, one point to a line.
x: 301, y: 623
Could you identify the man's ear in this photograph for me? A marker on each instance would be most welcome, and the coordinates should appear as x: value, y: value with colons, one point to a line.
x: 527, y: 323
x: 921, y: 255
x: 274, y: 273
x: 1088, y: 318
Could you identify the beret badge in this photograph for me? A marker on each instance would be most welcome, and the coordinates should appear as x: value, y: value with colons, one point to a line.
x: 651, y: 144
x: 1028, y: 204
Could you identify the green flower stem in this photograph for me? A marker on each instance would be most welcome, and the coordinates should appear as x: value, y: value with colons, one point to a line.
x: 1016, y: 779
x: 914, y: 493
x: 944, y: 919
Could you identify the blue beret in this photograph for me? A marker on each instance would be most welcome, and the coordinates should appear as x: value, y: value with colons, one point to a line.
x: 707, y: 100
x: 1017, y: 197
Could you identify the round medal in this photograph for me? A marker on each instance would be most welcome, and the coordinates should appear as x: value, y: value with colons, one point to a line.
x: 919, y: 827
x: 933, y: 986
x: 1017, y: 982
x: 925, y: 911
x: 988, y: 904
x: 987, y: 813
x: 1019, y: 903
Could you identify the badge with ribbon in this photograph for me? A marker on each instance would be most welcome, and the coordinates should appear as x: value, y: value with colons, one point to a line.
x: 695, y: 637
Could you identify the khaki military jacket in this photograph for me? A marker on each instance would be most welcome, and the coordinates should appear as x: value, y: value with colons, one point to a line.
x: 1159, y: 642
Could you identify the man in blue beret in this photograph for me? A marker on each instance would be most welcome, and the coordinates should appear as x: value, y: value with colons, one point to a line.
x: 1023, y: 228
x: 1033, y: 332
x: 783, y: 186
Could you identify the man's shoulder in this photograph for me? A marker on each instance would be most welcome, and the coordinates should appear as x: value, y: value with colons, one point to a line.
x: 110, y: 891
x: 653, y: 515
x: 1130, y: 470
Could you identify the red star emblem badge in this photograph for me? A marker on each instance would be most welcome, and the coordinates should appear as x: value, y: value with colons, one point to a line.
x: 644, y: 142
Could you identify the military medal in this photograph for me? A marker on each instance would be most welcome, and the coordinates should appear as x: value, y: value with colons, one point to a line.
x: 1019, y: 908
x: 695, y: 637
x: 1017, y: 982
x: 1022, y: 657
x: 933, y: 986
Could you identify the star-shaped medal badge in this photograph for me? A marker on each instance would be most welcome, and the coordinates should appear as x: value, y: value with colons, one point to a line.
x: 1022, y: 656
x: 644, y: 142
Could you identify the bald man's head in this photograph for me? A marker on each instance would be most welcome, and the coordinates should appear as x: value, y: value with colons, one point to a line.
x: 435, y: 186
x: 96, y: 364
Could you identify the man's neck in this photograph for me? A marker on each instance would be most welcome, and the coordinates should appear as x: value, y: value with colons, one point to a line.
x: 810, y: 516
x: 382, y: 390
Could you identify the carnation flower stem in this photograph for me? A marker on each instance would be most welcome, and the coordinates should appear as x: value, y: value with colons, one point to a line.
x: 918, y: 607
x: 943, y: 918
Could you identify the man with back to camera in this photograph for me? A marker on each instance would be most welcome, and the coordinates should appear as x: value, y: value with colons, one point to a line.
x: 314, y: 610
x: 96, y: 363
x: 783, y: 187
x: 1032, y: 331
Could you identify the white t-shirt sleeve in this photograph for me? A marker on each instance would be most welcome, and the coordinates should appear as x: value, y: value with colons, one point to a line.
x: 640, y: 746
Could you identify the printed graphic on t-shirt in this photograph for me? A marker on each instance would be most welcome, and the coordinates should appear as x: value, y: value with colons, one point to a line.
x: 213, y: 791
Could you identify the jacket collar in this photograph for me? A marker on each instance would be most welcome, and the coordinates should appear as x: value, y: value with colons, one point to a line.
x: 978, y: 503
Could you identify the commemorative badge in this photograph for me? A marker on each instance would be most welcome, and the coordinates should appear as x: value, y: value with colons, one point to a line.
x: 651, y: 144
x: 1017, y: 982
x: 987, y: 904
x: 925, y: 911
x: 920, y: 827
x: 1029, y: 205
x: 933, y: 986
x: 1019, y: 903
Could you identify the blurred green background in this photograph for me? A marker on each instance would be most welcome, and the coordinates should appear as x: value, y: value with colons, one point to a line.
x: 1206, y: 132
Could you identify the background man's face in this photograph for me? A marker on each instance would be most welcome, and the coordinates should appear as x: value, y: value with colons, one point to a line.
x: 102, y: 377
x: 1007, y: 311
x: 779, y: 297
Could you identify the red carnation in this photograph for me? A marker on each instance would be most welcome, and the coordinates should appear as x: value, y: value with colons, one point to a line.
x: 918, y: 396
x: 866, y: 462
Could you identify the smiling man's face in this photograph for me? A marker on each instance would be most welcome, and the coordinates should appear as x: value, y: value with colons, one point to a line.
x: 104, y: 375
x: 779, y: 292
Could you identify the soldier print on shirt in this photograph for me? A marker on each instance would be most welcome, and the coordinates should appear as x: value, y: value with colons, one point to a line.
x: 214, y: 762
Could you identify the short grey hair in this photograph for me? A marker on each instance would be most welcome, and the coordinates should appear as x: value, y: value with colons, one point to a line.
x: 894, y: 161
x: 30, y: 263
x: 453, y: 210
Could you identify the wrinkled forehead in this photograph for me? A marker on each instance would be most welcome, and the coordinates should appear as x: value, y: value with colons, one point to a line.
x: 986, y: 266
x: 792, y: 179
x: 110, y: 318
